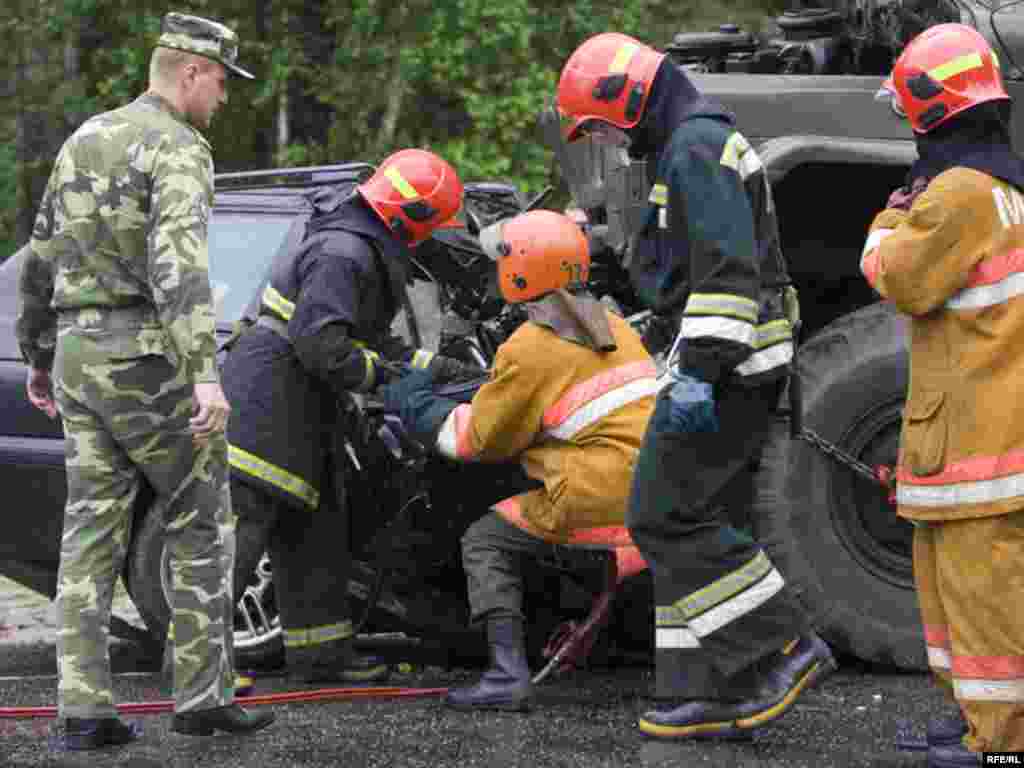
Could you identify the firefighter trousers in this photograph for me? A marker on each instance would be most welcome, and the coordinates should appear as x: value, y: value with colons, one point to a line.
x: 493, y: 553
x: 720, y: 604
x: 310, y: 561
x: 970, y: 584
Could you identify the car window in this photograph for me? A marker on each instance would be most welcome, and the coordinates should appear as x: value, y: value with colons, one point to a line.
x: 241, y: 248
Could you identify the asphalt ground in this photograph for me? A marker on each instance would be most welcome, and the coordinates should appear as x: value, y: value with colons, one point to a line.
x: 585, y: 720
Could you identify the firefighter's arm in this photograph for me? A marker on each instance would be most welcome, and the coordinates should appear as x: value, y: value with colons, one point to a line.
x: 326, y: 310
x: 504, y: 417
x: 720, y: 317
x: 919, y: 258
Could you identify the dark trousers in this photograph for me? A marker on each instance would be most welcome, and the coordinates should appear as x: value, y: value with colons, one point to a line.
x: 720, y: 605
x: 494, y: 556
x: 310, y: 560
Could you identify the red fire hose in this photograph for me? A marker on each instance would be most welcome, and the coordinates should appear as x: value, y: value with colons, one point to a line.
x: 321, y: 694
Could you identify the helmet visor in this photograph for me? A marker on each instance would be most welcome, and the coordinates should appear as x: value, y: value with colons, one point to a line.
x: 492, y: 241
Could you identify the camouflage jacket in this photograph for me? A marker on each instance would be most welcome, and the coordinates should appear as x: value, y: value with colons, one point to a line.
x: 123, y: 223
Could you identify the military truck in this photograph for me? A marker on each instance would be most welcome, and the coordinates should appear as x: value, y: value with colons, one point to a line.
x: 805, y: 94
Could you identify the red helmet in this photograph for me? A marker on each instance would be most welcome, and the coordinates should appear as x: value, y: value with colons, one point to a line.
x: 414, y: 192
x: 607, y: 78
x: 943, y: 71
x: 537, y: 252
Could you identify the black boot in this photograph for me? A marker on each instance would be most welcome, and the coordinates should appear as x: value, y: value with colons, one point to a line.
x: 94, y: 733
x: 232, y: 719
x: 954, y: 756
x: 506, y: 683
x: 947, y: 731
x: 755, y: 697
x: 336, y: 662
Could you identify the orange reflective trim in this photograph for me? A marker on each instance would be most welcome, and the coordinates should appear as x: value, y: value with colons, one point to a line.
x: 628, y: 562
x: 463, y: 415
x: 591, y: 389
x: 969, y: 470
x: 937, y: 635
x: 997, y: 268
x: 606, y: 535
x: 988, y: 667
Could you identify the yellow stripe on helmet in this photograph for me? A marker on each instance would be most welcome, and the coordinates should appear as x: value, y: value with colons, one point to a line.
x: 622, y: 58
x: 399, y: 182
x: 955, y: 66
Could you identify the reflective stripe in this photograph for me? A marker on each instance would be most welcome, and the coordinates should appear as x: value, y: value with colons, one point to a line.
x: 977, y: 492
x: 301, y: 638
x: 271, y: 473
x: 675, y: 637
x: 400, y: 183
x: 724, y: 304
x: 369, y: 358
x: 988, y: 667
x: 772, y: 332
x: 586, y: 391
x: 937, y: 635
x: 659, y: 195
x: 726, y: 587
x: 989, y: 690
x: 278, y: 303
x: 745, y: 602
x: 969, y: 481
x: 874, y: 239
x: 453, y: 440
x: 996, y: 280
x: 622, y: 58
x: 421, y: 358
x: 597, y: 409
x: 956, y: 66
x: 939, y: 658
x: 739, y: 331
x: 766, y: 359
x: 735, y: 148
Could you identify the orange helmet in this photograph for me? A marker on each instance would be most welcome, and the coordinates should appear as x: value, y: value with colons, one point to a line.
x: 607, y: 78
x: 536, y: 252
x: 414, y: 192
x: 943, y: 71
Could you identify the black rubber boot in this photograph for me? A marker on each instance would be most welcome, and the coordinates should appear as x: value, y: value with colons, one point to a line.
x: 337, y: 663
x: 506, y: 683
x: 947, y: 731
x: 955, y: 756
x: 82, y: 733
x: 231, y: 719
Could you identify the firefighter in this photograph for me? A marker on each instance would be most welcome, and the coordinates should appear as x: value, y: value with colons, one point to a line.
x: 947, y: 251
x: 322, y: 333
x: 733, y: 649
x: 568, y: 397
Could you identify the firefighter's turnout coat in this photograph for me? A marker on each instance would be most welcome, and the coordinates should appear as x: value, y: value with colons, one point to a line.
x: 955, y: 263
x: 573, y: 416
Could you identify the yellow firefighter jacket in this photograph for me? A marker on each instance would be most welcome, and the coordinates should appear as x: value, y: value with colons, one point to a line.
x: 573, y: 417
x: 955, y: 264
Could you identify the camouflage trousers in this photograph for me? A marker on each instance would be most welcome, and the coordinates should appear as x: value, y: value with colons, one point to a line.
x: 126, y: 421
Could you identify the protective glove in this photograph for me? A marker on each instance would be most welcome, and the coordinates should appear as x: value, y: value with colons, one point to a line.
x: 691, y: 404
x: 444, y: 369
x: 904, y: 197
x: 421, y: 411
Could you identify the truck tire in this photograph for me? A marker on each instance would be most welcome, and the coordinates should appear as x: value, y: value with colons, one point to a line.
x: 834, y: 535
x: 147, y: 573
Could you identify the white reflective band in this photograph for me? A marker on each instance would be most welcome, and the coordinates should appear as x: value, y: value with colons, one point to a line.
x: 970, y: 492
x: 939, y: 658
x: 745, y: 602
x: 734, y: 149
x: 874, y: 239
x: 988, y: 295
x: 739, y: 331
x: 447, y: 441
x: 299, y: 638
x: 766, y: 359
x: 600, y: 407
x: 749, y: 164
x: 675, y: 637
x: 989, y: 690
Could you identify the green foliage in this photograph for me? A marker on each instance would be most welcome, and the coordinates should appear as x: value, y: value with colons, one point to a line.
x: 465, y: 78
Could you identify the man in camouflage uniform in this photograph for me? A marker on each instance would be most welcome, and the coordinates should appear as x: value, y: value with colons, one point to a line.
x: 116, y: 301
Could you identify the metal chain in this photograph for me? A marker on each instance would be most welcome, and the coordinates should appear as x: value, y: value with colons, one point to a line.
x: 839, y: 455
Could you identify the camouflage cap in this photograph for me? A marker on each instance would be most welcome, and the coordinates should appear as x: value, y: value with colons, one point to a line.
x: 202, y: 36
